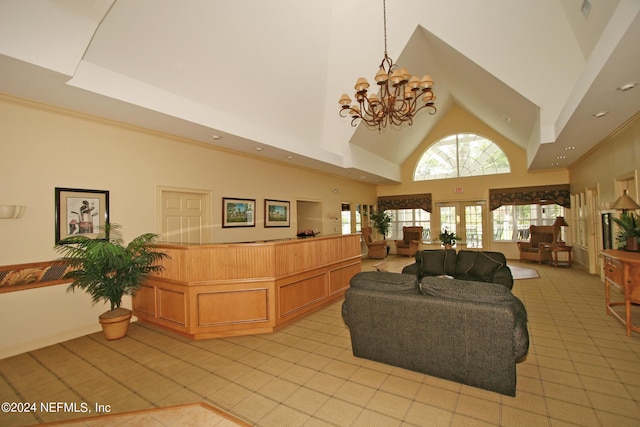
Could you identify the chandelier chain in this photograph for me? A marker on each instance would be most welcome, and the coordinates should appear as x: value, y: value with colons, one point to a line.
x: 384, y: 16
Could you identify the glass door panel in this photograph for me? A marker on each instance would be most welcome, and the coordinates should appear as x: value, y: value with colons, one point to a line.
x: 466, y: 219
x: 473, y: 226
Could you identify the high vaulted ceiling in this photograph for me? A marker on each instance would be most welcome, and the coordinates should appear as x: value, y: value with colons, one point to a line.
x: 266, y: 75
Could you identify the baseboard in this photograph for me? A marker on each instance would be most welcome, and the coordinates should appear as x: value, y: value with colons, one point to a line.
x: 48, y: 340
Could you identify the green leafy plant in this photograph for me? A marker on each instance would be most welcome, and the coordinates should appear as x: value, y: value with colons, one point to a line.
x: 448, y: 237
x: 107, y: 269
x: 628, y: 227
x: 381, y: 222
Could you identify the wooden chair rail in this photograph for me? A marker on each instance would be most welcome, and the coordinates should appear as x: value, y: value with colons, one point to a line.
x: 19, y: 277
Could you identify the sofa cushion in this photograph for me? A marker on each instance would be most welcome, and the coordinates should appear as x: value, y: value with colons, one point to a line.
x: 431, y: 262
x: 465, y: 262
x: 485, y: 264
x: 386, y: 282
x: 466, y: 290
x: 436, y: 262
x: 486, y: 293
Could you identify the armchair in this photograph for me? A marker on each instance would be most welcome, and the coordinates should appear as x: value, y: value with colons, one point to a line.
x: 376, y: 249
x: 534, y: 249
x: 411, y: 238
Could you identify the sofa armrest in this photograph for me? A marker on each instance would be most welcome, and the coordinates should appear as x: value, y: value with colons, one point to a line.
x: 468, y: 342
x: 411, y: 269
x: 503, y: 276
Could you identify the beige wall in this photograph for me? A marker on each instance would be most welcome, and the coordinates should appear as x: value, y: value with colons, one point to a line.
x: 614, y: 159
x: 474, y: 188
x: 44, y: 148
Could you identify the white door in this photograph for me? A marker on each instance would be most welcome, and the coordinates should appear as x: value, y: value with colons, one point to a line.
x: 184, y: 217
x: 466, y: 219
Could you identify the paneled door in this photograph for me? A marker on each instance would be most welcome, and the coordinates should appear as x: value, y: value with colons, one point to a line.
x: 184, y: 217
x: 466, y: 219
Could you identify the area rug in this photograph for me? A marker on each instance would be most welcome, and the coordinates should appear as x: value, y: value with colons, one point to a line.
x: 520, y: 273
x: 193, y: 414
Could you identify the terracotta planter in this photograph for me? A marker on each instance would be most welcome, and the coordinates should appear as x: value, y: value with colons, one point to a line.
x: 115, y: 323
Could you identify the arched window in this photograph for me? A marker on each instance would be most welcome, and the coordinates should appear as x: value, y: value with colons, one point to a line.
x: 463, y: 154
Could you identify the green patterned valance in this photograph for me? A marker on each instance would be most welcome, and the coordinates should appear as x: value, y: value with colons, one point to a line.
x: 541, y: 195
x: 406, y: 201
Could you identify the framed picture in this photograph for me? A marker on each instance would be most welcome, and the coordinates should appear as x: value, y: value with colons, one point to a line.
x: 277, y: 213
x: 78, y: 211
x: 238, y: 212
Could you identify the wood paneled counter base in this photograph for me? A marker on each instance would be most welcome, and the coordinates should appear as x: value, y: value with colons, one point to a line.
x: 219, y: 290
x: 622, y: 270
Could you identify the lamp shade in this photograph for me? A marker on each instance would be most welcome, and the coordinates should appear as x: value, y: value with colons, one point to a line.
x: 625, y: 202
x: 560, y: 222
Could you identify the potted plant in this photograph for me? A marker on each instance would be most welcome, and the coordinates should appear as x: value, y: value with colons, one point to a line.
x: 448, y: 238
x: 107, y: 270
x: 628, y: 233
x: 381, y: 222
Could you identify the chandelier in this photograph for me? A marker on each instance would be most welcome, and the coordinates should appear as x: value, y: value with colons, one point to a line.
x: 400, y: 95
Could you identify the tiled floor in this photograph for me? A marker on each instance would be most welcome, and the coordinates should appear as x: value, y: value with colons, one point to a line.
x: 581, y: 370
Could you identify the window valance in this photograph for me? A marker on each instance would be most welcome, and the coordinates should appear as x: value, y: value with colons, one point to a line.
x: 540, y: 195
x: 406, y: 201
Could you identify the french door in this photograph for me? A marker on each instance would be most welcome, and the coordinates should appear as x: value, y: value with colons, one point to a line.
x: 466, y: 219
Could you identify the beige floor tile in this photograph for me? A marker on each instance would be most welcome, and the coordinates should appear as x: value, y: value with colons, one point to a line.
x: 390, y: 404
x: 284, y: 416
x: 581, y: 369
x: 338, y: 412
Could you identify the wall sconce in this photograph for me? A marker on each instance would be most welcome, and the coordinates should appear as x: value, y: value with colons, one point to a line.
x: 12, y: 211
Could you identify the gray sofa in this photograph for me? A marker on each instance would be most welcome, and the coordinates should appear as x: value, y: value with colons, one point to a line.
x: 480, y: 266
x: 464, y: 331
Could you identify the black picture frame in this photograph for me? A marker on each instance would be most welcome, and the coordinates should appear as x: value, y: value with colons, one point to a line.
x: 238, y: 212
x: 277, y: 213
x: 80, y: 212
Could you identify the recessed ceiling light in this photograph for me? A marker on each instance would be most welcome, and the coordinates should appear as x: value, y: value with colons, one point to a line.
x: 600, y: 114
x: 571, y: 147
x: 363, y: 177
x: 561, y: 157
x: 216, y: 137
x: 627, y: 86
x: 289, y: 157
x: 258, y: 148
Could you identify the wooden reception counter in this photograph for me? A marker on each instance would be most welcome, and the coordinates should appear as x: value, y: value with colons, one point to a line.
x: 219, y: 290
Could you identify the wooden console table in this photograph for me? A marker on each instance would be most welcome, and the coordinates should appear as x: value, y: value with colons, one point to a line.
x: 219, y: 290
x: 622, y: 270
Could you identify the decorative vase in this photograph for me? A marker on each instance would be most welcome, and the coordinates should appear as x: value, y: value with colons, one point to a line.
x: 115, y: 323
x: 447, y: 246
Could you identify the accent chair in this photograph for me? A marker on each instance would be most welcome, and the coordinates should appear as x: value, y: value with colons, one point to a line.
x: 410, y: 243
x: 376, y: 249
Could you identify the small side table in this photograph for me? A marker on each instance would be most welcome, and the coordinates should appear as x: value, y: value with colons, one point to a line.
x: 554, y: 249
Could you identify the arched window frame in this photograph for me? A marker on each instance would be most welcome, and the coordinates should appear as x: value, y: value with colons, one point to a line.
x: 438, y: 150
